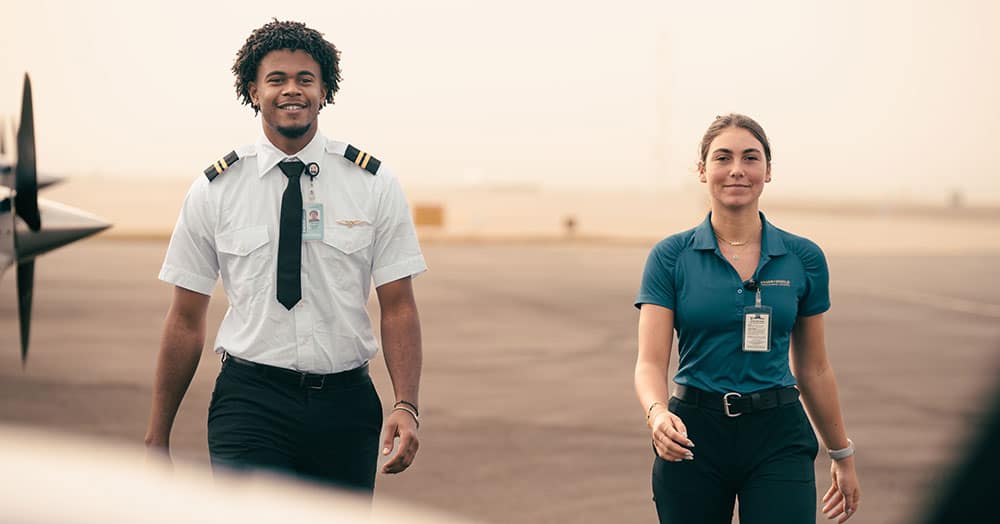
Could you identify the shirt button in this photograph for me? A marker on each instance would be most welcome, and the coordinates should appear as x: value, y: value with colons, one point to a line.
x: 739, y: 291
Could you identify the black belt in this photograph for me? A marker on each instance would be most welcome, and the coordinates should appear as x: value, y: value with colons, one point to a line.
x: 300, y: 378
x: 736, y: 404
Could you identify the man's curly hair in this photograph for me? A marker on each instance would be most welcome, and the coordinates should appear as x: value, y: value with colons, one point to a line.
x: 285, y: 35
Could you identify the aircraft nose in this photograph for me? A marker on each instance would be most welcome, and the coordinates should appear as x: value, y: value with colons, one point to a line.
x: 62, y: 224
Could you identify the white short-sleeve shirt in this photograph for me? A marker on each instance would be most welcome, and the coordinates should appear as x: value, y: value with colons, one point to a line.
x: 229, y: 226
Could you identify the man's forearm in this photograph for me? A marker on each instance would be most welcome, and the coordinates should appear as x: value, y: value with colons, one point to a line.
x: 401, y: 346
x: 180, y: 351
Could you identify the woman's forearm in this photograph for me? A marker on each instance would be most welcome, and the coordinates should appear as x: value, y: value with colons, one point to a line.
x: 822, y: 401
x: 650, y: 385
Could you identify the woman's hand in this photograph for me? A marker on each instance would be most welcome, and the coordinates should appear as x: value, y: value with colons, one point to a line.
x: 842, y: 499
x: 670, y: 436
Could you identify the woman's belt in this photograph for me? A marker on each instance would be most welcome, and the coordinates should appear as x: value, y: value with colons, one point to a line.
x: 736, y: 404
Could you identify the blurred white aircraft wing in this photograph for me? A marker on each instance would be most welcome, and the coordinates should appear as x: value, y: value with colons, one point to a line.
x: 49, y: 479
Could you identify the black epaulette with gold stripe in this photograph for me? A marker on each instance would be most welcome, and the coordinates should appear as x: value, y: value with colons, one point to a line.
x: 221, y: 165
x: 362, y: 159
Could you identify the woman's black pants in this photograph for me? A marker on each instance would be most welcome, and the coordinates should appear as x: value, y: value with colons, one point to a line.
x: 764, y: 459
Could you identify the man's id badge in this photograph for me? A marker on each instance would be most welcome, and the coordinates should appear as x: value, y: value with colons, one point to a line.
x: 757, y: 328
x: 312, y: 222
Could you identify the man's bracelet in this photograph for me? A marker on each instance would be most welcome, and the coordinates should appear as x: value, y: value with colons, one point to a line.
x: 408, y: 409
x: 840, y: 454
x: 407, y: 403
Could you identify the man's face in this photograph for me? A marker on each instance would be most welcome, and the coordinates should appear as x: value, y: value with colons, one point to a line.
x: 289, y: 92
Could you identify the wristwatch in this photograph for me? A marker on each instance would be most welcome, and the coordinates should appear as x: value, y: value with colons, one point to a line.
x: 840, y: 454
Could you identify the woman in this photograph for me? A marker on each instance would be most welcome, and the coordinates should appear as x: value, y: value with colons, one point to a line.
x: 740, y: 292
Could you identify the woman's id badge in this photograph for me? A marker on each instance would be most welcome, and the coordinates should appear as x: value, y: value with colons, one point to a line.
x: 757, y: 327
x: 312, y: 222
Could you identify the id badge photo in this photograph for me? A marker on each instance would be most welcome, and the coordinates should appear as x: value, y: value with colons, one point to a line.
x: 312, y: 222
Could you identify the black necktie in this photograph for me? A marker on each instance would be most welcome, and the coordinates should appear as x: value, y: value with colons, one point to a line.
x: 290, y: 237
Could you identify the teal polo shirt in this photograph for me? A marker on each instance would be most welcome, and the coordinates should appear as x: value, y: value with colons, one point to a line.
x: 687, y: 273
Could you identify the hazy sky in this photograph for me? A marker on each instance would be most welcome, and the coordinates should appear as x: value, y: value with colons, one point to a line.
x: 860, y: 99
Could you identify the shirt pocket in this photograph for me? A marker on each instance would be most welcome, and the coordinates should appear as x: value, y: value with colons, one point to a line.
x: 349, y: 239
x: 348, y: 253
x: 244, y: 257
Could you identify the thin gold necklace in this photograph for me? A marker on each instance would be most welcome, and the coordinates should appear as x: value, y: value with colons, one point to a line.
x: 734, y: 243
x: 738, y: 245
x: 731, y: 242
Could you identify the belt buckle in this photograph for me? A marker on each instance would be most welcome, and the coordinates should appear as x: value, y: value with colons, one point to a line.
x: 304, y: 376
x: 725, y: 404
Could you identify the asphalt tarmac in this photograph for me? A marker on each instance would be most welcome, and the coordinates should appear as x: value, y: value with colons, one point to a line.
x: 528, y: 409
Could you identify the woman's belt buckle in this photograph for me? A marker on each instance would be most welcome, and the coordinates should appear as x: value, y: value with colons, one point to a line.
x: 725, y: 404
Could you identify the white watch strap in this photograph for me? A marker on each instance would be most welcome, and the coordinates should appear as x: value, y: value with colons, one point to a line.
x: 839, y: 454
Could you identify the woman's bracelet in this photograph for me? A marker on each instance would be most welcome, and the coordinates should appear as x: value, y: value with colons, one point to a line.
x: 649, y: 412
x: 840, y: 454
x: 408, y: 409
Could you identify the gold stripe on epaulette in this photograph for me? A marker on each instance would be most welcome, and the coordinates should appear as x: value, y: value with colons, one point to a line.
x: 218, y: 168
x: 222, y: 162
x: 364, y: 165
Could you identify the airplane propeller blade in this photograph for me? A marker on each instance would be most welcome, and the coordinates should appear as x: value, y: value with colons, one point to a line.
x: 25, y: 290
x: 63, y: 225
x: 26, y: 183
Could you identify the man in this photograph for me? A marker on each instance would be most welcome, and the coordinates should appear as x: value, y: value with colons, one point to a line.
x: 294, y: 393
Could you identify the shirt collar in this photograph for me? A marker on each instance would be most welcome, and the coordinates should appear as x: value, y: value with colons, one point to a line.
x: 268, y: 156
x: 772, y: 245
x: 772, y: 242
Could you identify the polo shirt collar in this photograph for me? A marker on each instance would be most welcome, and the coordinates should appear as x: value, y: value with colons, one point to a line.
x: 704, y: 236
x: 268, y: 156
x: 772, y: 244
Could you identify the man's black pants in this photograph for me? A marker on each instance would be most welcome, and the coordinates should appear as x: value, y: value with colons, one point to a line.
x: 765, y: 458
x: 329, y: 435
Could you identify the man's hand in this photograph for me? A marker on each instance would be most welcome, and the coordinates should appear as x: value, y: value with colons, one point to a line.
x: 157, y: 452
x: 400, y: 424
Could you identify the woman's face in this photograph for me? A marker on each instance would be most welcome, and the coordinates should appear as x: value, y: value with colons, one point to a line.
x: 735, y: 169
